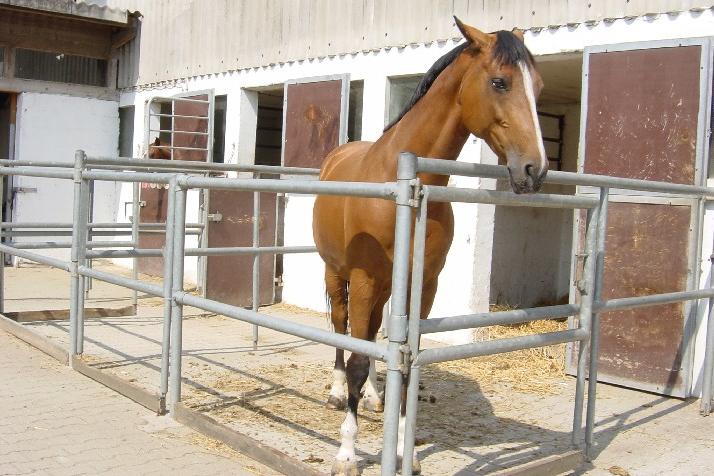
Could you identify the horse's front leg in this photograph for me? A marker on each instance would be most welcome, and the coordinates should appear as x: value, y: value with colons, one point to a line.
x: 346, y: 460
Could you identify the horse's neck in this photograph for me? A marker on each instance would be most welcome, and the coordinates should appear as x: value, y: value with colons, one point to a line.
x: 432, y: 128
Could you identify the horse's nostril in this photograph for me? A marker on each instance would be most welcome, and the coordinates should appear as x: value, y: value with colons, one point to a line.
x: 530, y: 171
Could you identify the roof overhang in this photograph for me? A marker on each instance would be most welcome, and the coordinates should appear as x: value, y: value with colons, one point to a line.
x: 71, y: 9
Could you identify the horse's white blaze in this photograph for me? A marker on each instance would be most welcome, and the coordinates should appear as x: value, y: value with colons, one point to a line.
x: 371, y: 391
x: 528, y: 86
x: 338, y: 384
x: 348, y: 432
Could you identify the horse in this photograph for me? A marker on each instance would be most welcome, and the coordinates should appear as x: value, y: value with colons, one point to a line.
x: 486, y: 86
x: 157, y: 150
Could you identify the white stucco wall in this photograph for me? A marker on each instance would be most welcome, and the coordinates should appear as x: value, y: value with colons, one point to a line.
x: 469, y: 261
x: 53, y: 127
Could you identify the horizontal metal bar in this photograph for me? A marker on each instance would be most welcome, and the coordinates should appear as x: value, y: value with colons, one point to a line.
x: 357, y: 189
x: 110, y: 244
x: 208, y: 166
x: 153, y: 177
x: 500, y: 318
x: 248, y: 250
x: 135, y: 284
x: 150, y: 253
x: 652, y: 300
x: 38, y: 258
x: 37, y: 172
x: 454, y: 194
x: 162, y: 232
x: 42, y: 245
x: 450, y: 167
x: 183, y: 116
x: 176, y: 147
x: 498, y: 346
x: 134, y: 253
x: 179, y: 99
x: 65, y: 232
x: 37, y: 163
x: 178, y: 132
x: 372, y: 349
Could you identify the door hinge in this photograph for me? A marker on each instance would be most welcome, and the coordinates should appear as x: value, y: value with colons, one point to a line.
x: 215, y: 217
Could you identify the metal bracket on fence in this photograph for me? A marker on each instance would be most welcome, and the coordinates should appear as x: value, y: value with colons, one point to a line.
x: 416, y: 192
x: 215, y: 217
x: 406, y: 359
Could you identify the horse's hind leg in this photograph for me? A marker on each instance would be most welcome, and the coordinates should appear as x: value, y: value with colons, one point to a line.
x: 361, y: 302
x: 337, y: 293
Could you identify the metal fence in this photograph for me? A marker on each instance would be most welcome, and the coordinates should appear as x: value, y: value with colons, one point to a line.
x: 401, y: 352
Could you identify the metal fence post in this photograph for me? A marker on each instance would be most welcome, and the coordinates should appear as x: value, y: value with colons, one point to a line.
x: 414, y: 337
x: 88, y: 283
x: 586, y: 287
x: 595, y: 321
x: 179, y: 235
x: 406, y: 173
x: 135, y: 221
x: 83, y: 230
x: 705, y: 406
x: 75, y: 278
x: 168, y: 255
x: 256, y: 260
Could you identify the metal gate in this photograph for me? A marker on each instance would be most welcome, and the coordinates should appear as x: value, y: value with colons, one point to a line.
x: 314, y: 123
x: 230, y: 223
x: 645, y: 114
x: 183, y: 126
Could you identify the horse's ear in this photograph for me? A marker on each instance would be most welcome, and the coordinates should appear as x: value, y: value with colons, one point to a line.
x: 157, y: 141
x: 518, y: 33
x: 471, y: 34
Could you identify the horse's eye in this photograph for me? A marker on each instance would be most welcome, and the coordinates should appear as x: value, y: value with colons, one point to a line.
x: 499, y: 84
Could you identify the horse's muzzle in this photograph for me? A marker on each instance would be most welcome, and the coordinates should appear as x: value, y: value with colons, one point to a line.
x: 529, y: 180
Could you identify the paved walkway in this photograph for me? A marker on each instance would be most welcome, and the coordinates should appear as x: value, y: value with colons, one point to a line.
x: 54, y: 421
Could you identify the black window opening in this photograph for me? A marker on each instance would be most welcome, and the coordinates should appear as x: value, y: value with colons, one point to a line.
x: 354, y: 117
x: 126, y: 131
x: 60, y: 68
x: 219, y: 128
x: 399, y: 93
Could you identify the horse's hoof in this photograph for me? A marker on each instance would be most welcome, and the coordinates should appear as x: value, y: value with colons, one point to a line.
x: 336, y: 403
x: 416, y: 465
x: 376, y: 405
x: 344, y: 468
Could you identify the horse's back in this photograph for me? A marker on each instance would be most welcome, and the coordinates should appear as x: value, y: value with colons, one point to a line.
x: 343, y: 163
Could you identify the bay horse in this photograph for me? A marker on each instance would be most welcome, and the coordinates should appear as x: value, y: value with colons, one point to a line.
x: 486, y: 86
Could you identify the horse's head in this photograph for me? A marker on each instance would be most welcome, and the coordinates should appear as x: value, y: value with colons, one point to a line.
x: 498, y: 96
x: 156, y: 152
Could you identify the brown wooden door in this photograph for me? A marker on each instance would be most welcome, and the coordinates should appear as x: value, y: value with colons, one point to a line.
x: 190, y: 132
x: 315, y: 120
x: 643, y: 121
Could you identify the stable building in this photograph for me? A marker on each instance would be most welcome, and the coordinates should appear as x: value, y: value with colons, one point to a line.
x: 627, y: 93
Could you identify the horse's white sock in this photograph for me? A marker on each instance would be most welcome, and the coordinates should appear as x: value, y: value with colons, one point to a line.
x: 371, y: 391
x: 348, y: 431
x: 338, y: 384
x: 400, y: 436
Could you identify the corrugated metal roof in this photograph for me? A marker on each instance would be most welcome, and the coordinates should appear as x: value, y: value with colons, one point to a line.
x: 94, y: 12
x: 182, y: 38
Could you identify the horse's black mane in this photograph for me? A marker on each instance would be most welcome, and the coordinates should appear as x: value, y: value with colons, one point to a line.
x: 509, y: 50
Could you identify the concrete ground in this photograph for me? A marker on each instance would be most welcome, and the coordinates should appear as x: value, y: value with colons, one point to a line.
x: 276, y: 394
x: 55, y: 421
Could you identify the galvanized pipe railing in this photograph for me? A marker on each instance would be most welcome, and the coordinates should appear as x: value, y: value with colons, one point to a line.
x: 402, y: 353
